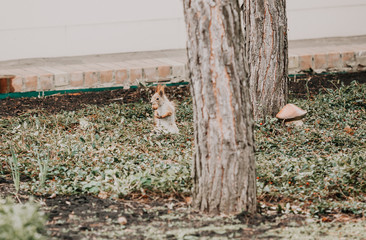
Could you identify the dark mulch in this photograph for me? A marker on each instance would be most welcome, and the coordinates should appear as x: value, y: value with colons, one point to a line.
x: 74, y: 101
x: 85, y: 216
x: 309, y: 84
x: 299, y: 86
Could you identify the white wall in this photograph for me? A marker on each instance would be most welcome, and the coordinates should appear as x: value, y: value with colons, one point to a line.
x: 51, y: 28
x: 54, y: 28
x: 325, y: 18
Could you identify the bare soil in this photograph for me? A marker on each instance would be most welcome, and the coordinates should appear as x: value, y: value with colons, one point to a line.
x: 140, y: 217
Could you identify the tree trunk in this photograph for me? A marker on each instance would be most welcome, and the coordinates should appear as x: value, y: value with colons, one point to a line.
x: 223, y: 164
x: 265, y: 26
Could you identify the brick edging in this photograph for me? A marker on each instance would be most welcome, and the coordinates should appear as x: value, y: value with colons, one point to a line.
x: 101, y: 75
x: 131, y: 73
x: 348, y: 61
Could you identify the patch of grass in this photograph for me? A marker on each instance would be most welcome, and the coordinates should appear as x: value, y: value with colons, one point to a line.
x: 317, y: 168
x: 13, y: 163
x: 21, y: 221
x: 109, y: 149
x: 322, y: 164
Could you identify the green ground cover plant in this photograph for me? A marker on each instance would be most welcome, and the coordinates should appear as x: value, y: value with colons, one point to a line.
x: 21, y: 221
x: 321, y: 165
x: 13, y: 164
x: 99, y: 149
x: 318, y: 168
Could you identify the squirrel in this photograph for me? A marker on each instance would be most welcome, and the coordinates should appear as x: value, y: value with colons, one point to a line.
x: 164, y: 112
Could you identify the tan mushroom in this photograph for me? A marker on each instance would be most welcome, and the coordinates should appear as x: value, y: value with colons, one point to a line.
x: 291, y: 114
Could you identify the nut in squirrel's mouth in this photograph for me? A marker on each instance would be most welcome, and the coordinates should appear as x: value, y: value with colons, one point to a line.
x: 155, y: 106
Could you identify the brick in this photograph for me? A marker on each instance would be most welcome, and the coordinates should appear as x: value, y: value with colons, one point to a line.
x: 334, y: 60
x: 30, y: 83
x: 361, y: 58
x: 135, y: 76
x: 179, y: 72
x: 17, y: 84
x: 46, y: 82
x: 91, y: 79
x: 305, y: 62
x: 45, y: 79
x: 4, y: 84
x: 320, y: 61
x: 348, y: 58
x: 61, y: 80
x: 293, y: 62
x: 361, y: 53
x: 164, y: 72
x: 121, y: 77
x: 150, y: 74
x: 76, y: 80
x: 61, y: 77
x: 106, y: 77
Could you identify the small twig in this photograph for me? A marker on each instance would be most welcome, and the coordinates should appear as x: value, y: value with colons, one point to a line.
x: 16, y: 195
x: 307, y: 87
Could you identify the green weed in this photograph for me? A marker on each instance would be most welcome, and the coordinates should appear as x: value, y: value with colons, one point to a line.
x: 21, y: 221
x: 319, y: 167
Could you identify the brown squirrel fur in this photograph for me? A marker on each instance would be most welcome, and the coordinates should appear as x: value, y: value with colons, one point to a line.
x: 164, y: 112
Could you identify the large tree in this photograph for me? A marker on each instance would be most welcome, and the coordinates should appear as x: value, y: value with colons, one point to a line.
x: 224, y: 165
x: 265, y: 33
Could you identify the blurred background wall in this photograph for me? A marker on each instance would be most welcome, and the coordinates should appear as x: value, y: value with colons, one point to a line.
x: 57, y: 28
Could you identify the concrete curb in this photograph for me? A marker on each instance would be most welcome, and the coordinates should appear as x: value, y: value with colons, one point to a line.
x: 125, y: 70
x: 100, y: 75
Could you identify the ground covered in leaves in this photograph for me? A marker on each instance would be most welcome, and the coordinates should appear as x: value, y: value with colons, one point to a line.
x: 91, y: 164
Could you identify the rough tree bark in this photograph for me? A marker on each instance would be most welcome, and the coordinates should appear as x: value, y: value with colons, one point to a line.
x: 223, y: 164
x: 265, y: 33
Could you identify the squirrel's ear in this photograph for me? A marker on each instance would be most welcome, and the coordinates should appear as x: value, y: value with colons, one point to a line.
x: 161, y: 90
x: 158, y: 87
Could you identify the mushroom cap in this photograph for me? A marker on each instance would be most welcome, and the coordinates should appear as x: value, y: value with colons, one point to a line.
x: 290, y: 111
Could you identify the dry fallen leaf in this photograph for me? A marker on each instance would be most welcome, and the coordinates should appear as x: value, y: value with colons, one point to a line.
x: 348, y: 130
x: 326, y: 219
x: 188, y: 200
x: 95, y: 225
x: 103, y: 195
